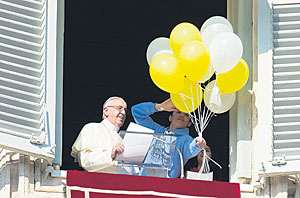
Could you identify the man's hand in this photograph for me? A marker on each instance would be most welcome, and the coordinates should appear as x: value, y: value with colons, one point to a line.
x: 118, y: 148
x: 201, y: 142
x: 166, y: 105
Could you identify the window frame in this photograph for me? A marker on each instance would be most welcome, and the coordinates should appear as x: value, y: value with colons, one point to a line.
x: 49, y: 148
x: 265, y: 93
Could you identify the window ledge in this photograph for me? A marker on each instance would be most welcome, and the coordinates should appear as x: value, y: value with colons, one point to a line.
x: 59, y: 174
x: 246, y: 188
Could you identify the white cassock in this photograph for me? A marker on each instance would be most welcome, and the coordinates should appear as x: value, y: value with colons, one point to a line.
x: 92, y: 148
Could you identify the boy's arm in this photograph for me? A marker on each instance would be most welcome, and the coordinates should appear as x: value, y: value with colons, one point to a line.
x: 141, y: 114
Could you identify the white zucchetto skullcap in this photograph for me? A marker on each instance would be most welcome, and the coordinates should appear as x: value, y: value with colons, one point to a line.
x: 109, y: 99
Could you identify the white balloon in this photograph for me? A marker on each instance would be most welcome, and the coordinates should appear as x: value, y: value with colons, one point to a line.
x: 208, y: 75
x: 212, y: 31
x: 215, y: 101
x: 225, y: 51
x: 213, y: 20
x: 158, y: 44
x: 165, y: 51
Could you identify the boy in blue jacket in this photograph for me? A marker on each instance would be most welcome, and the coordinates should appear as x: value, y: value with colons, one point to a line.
x: 179, y: 123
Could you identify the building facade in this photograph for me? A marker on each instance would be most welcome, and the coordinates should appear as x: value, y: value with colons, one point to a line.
x: 264, y: 123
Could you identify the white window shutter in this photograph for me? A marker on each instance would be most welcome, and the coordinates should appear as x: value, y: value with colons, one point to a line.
x: 25, y: 121
x: 286, y: 86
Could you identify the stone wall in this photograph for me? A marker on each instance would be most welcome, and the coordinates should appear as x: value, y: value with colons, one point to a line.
x: 23, y: 176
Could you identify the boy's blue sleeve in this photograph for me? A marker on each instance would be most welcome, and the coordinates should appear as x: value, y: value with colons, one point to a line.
x: 141, y: 114
x: 191, y: 149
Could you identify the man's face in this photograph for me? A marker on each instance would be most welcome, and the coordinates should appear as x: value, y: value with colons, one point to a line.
x: 115, y: 111
x: 180, y: 120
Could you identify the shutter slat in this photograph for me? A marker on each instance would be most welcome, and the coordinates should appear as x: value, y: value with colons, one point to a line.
x: 290, y: 154
x: 284, y: 9
x: 287, y: 143
x: 293, y: 33
x: 21, y: 103
x: 6, y: 126
x: 286, y: 67
x: 287, y: 110
x: 26, y: 45
x: 6, y: 129
x: 21, y: 120
x: 289, y: 150
x: 286, y: 81
x: 21, y: 112
x: 287, y: 76
x: 21, y: 94
x: 21, y: 26
x: 292, y: 25
x: 21, y: 60
x: 20, y: 86
x: 287, y: 57
x: 287, y: 93
x: 288, y: 84
x: 288, y: 127
x: 294, y: 16
x: 295, y: 50
x: 22, y: 79
x: 11, y: 49
x: 286, y: 42
x: 20, y: 69
x: 21, y: 18
x: 287, y: 135
x: 290, y: 101
x: 28, y: 3
x: 16, y: 7
x: 291, y: 89
x: 19, y: 34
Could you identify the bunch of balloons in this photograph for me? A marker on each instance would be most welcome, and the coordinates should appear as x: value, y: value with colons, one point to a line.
x: 182, y: 64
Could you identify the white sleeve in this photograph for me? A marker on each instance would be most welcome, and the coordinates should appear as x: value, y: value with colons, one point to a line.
x: 95, y: 160
x: 94, y: 150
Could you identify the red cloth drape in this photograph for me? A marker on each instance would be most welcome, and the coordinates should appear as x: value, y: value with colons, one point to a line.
x: 117, y: 186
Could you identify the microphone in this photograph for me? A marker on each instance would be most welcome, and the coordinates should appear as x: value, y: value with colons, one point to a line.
x: 180, y: 155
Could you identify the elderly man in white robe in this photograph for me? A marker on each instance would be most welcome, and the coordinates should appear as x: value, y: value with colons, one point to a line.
x: 98, y: 143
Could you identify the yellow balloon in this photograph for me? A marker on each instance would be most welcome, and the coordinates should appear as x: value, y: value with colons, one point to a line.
x: 234, y: 79
x: 194, y: 60
x: 182, y: 33
x: 189, y: 98
x: 166, y: 73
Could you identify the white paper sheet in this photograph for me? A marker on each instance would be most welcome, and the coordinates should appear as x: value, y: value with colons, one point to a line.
x: 136, y: 145
x: 199, y: 176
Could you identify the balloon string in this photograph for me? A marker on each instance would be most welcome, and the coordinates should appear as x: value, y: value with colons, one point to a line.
x: 216, y: 163
x: 193, y: 105
x: 204, y: 114
x: 193, y: 119
x: 191, y: 115
x: 203, y: 163
x: 207, y: 121
x: 203, y: 117
x: 198, y: 103
x: 199, y: 107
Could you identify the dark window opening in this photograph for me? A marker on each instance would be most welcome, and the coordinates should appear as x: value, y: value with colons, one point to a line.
x: 105, y: 46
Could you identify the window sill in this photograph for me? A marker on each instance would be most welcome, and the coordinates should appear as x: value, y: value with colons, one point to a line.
x: 59, y: 174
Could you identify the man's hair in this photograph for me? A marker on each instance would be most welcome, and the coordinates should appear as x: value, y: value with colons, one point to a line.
x: 105, y: 104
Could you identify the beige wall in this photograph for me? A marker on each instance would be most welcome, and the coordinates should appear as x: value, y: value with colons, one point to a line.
x: 22, y: 176
x: 246, y: 131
